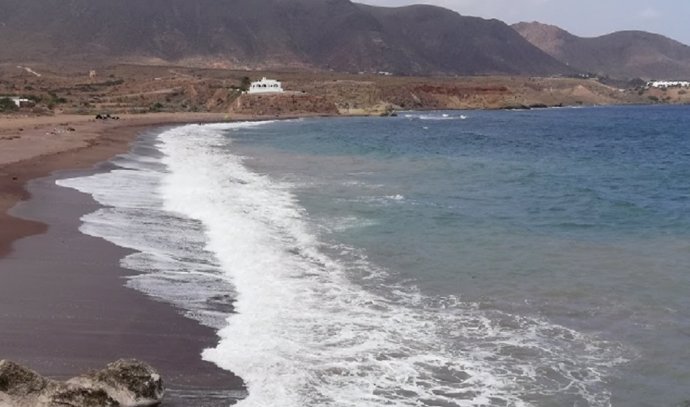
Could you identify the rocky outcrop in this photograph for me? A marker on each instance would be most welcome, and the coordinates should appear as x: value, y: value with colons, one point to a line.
x: 125, y: 383
x: 17, y: 382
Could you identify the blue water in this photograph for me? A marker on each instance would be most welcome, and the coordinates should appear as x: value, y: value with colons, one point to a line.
x: 580, y: 216
x: 531, y: 258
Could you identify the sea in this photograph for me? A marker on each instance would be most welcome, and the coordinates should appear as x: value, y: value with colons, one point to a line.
x: 441, y: 258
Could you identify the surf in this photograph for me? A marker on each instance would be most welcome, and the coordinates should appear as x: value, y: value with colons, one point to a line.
x: 235, y: 249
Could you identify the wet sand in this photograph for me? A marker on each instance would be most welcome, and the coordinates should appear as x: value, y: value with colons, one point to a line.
x: 64, y: 308
x: 33, y: 147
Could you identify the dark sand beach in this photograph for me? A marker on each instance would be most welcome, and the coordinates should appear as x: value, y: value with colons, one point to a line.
x: 64, y: 308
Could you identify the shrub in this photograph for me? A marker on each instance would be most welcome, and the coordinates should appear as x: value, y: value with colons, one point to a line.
x: 246, y: 83
x: 7, y: 105
x: 156, y: 107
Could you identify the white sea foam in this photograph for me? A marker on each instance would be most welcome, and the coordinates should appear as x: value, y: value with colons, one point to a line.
x: 346, y: 223
x: 169, y: 249
x: 396, y: 197
x: 445, y: 116
x: 306, y: 335
x: 435, y: 116
x: 304, y: 332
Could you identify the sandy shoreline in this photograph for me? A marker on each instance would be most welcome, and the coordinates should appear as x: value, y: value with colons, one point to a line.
x: 63, y: 304
x: 34, y: 147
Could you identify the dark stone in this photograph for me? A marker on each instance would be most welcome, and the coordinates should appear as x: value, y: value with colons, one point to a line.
x: 81, y: 397
x: 125, y: 383
x: 16, y: 380
x: 136, y: 377
x: 516, y: 107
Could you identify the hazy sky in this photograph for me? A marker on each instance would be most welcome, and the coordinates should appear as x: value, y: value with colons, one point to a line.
x: 580, y: 17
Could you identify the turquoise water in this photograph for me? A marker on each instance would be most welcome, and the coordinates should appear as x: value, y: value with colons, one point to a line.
x: 481, y: 258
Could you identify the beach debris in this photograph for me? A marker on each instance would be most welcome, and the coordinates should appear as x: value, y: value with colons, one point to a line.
x: 106, y: 116
x: 124, y: 383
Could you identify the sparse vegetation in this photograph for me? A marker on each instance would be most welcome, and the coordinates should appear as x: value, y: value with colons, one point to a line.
x: 113, y: 82
x: 156, y: 107
x: 7, y: 105
x: 54, y: 100
x: 245, y: 84
x: 162, y: 89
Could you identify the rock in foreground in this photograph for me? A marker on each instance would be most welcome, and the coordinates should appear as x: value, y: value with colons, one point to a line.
x: 125, y: 383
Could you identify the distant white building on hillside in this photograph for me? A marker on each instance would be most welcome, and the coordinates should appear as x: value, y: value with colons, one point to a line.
x: 669, y: 84
x: 22, y: 102
x: 266, y: 86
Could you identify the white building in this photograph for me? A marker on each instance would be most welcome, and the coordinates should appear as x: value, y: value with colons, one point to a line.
x: 669, y: 84
x: 266, y: 86
x: 21, y: 102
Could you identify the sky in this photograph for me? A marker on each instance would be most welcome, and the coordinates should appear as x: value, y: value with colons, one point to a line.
x: 586, y: 18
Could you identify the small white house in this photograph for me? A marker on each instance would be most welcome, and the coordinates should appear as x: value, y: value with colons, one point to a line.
x: 22, y: 102
x: 266, y: 86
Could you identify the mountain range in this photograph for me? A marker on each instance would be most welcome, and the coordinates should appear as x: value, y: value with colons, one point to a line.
x: 623, y: 54
x: 308, y: 34
x: 334, y: 35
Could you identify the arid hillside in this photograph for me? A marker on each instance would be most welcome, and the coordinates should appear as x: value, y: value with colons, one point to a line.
x: 316, y: 35
x: 624, y: 54
x: 138, y: 89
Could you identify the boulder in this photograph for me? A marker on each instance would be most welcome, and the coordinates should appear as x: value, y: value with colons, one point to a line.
x: 125, y: 383
x: 18, y: 381
x: 80, y: 396
x: 130, y: 382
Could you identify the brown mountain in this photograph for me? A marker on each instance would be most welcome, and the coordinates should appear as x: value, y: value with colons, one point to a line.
x: 623, y: 54
x: 311, y: 34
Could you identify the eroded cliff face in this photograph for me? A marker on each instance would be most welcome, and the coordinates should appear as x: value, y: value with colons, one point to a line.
x: 124, y: 383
